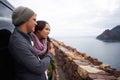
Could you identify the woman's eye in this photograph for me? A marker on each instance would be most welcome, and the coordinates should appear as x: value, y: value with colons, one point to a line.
x: 47, y: 29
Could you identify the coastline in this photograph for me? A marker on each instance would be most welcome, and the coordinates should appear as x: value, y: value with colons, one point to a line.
x: 80, y: 65
x: 95, y: 48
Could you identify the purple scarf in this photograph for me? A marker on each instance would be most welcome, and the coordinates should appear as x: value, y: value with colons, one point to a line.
x: 40, y: 46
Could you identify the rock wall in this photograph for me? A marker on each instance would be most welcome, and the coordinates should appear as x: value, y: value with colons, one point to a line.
x: 79, y: 66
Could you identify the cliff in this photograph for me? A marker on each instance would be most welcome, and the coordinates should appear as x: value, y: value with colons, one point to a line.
x: 79, y: 66
x: 110, y: 35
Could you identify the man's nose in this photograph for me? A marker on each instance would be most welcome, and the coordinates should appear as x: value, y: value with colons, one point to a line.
x: 35, y: 23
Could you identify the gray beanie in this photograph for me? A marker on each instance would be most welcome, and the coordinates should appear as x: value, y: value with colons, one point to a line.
x: 21, y: 15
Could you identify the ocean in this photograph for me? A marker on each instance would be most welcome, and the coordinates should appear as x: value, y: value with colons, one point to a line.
x: 107, y: 52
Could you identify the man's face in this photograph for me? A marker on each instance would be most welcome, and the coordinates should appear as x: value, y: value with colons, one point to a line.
x: 31, y: 23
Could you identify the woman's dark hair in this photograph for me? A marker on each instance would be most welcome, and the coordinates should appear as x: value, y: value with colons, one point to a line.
x: 40, y: 26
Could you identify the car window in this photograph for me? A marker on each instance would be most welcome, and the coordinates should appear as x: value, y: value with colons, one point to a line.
x: 5, y: 17
x: 5, y: 12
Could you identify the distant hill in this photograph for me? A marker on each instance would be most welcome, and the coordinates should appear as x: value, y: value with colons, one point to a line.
x: 110, y: 35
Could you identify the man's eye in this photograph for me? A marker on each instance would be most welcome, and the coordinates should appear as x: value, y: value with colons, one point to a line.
x: 34, y: 19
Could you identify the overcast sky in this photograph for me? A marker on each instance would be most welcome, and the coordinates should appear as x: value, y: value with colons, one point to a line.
x: 75, y: 17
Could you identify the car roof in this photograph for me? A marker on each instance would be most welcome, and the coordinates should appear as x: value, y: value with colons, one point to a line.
x: 7, y: 4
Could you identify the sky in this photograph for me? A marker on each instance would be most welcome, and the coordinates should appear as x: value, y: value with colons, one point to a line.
x: 75, y: 17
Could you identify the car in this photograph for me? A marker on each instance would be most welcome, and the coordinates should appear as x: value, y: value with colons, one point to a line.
x: 6, y: 28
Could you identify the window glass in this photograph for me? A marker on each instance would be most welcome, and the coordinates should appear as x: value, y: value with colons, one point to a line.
x: 5, y: 18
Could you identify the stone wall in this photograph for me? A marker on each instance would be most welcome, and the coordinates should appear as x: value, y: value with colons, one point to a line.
x: 79, y: 66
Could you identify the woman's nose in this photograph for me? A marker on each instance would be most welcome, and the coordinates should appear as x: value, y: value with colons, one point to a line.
x: 48, y: 32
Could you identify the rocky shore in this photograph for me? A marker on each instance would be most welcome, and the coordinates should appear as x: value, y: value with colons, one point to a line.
x: 79, y: 66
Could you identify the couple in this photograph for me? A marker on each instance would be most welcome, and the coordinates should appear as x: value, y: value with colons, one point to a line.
x: 30, y: 47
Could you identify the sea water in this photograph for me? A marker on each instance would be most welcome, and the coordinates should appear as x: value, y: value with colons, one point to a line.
x: 107, y: 52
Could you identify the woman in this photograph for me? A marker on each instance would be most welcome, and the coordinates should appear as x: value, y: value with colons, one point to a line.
x: 42, y: 44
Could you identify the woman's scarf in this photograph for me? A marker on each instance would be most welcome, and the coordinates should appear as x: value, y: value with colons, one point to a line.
x: 40, y: 46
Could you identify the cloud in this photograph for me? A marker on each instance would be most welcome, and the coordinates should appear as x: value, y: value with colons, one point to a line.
x: 75, y: 17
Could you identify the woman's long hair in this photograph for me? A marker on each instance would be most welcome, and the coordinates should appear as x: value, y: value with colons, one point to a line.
x: 40, y: 26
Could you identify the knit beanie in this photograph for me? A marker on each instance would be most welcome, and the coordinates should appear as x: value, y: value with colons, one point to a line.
x: 21, y: 15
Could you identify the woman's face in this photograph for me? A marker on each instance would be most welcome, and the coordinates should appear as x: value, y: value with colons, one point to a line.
x: 45, y: 32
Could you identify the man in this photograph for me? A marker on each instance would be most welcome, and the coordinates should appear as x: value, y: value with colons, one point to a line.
x: 28, y: 66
